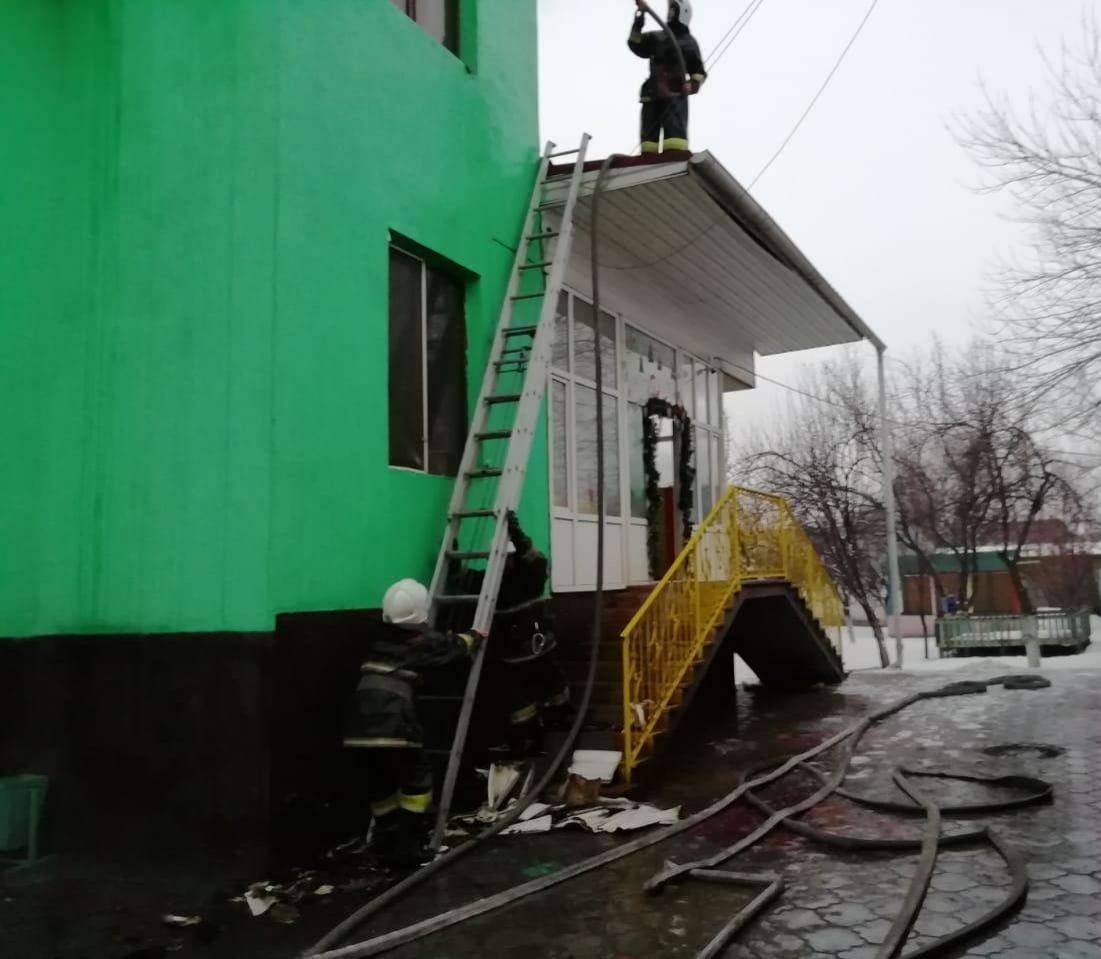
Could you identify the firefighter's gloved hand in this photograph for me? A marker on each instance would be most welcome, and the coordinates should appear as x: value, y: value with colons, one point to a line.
x: 473, y: 640
x: 519, y: 538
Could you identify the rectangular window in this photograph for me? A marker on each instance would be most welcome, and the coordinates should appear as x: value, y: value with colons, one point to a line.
x: 650, y: 367
x: 427, y: 385
x: 438, y: 18
x: 703, y: 472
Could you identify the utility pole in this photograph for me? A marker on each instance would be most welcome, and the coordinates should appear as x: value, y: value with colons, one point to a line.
x: 894, y: 607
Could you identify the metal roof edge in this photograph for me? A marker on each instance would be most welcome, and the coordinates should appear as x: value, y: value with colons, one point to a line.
x: 751, y: 216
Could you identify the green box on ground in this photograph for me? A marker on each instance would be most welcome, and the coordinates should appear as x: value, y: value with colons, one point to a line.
x: 21, y: 799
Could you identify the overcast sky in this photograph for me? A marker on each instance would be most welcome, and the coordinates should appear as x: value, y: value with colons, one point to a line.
x: 874, y: 189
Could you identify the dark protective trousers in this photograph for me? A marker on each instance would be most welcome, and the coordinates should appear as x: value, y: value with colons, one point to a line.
x: 668, y: 116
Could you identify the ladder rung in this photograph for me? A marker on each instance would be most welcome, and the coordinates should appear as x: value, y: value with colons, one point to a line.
x: 563, y: 153
x: 494, y: 435
x: 484, y: 473
x: 536, y: 266
x: 467, y: 554
x: 456, y: 599
x: 550, y: 204
x: 543, y: 236
x: 521, y: 330
x: 519, y: 349
x: 530, y: 296
x: 519, y: 361
x: 504, y: 398
x: 474, y: 514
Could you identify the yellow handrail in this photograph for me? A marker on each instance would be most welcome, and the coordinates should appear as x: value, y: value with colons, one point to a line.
x: 748, y: 535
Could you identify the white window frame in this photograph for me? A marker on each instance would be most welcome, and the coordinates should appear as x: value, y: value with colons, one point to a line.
x: 715, y: 432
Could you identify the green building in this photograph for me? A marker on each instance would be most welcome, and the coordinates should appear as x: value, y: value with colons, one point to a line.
x: 253, y: 256
x: 250, y: 249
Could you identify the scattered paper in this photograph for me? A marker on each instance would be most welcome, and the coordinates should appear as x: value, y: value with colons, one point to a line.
x: 325, y: 890
x: 640, y: 818
x: 181, y: 921
x: 540, y: 824
x: 258, y: 903
x: 535, y: 809
x: 595, y: 763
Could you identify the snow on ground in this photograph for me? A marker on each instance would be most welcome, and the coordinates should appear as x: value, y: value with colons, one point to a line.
x: 861, y: 653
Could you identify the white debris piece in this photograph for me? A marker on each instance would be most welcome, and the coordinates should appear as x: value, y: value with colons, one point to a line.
x: 258, y: 903
x: 535, y: 809
x: 598, y: 764
x: 640, y: 818
x: 540, y: 824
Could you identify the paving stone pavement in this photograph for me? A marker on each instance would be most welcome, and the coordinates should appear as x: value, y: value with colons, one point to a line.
x: 840, y: 904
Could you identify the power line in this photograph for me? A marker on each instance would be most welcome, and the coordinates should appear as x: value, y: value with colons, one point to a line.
x: 736, y: 29
x: 897, y: 423
x: 818, y: 95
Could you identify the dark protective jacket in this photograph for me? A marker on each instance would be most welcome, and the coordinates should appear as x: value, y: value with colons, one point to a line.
x: 665, y: 78
x: 383, y: 712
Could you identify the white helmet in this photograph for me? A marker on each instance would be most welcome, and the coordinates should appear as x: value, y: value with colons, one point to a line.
x: 405, y: 603
x: 684, y: 8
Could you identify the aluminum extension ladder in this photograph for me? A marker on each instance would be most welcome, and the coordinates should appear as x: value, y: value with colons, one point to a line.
x: 498, y: 446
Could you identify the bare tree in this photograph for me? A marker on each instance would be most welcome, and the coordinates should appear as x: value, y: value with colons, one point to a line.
x: 824, y: 458
x: 1048, y: 157
x: 972, y: 472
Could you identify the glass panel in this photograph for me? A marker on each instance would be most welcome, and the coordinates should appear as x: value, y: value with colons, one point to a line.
x: 638, y: 469
x: 650, y: 368
x: 685, y: 395
x: 613, y: 496
x: 663, y: 460
x: 585, y: 448
x: 703, y: 406
x: 584, y: 333
x: 561, y: 445
x: 406, y: 380
x: 585, y: 420
x: 716, y: 400
x: 446, y: 342
x: 718, y: 464
x: 560, y: 358
x: 703, y: 472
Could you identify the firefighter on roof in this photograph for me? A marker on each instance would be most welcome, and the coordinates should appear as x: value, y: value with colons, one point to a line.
x: 665, y: 93
x: 383, y: 727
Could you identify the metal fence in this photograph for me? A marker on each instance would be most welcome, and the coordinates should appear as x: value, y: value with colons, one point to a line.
x: 1064, y: 627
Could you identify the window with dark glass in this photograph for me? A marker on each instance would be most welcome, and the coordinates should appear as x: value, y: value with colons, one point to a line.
x: 427, y: 388
x: 438, y: 18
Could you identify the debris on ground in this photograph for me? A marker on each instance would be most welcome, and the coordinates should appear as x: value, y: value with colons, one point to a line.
x: 284, y: 912
x: 181, y: 921
x: 599, y: 764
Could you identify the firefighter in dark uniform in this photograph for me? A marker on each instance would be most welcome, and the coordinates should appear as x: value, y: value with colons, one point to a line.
x: 382, y: 725
x: 523, y: 645
x: 665, y: 93
x: 524, y: 636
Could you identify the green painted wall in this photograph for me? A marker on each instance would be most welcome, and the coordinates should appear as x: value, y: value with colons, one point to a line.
x: 195, y: 204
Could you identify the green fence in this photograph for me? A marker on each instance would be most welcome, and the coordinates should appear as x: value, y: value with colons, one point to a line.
x: 1064, y: 627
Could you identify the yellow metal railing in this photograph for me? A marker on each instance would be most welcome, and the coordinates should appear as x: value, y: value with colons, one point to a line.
x: 748, y: 536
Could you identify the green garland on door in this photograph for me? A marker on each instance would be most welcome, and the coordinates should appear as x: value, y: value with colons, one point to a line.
x: 686, y: 475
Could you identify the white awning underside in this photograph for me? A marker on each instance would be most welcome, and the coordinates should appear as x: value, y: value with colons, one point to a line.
x: 689, y: 241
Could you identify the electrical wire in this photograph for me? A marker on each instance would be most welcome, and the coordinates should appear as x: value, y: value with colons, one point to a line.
x: 818, y: 95
x: 736, y: 29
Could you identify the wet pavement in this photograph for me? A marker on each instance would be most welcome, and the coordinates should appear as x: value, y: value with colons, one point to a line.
x: 834, y: 903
